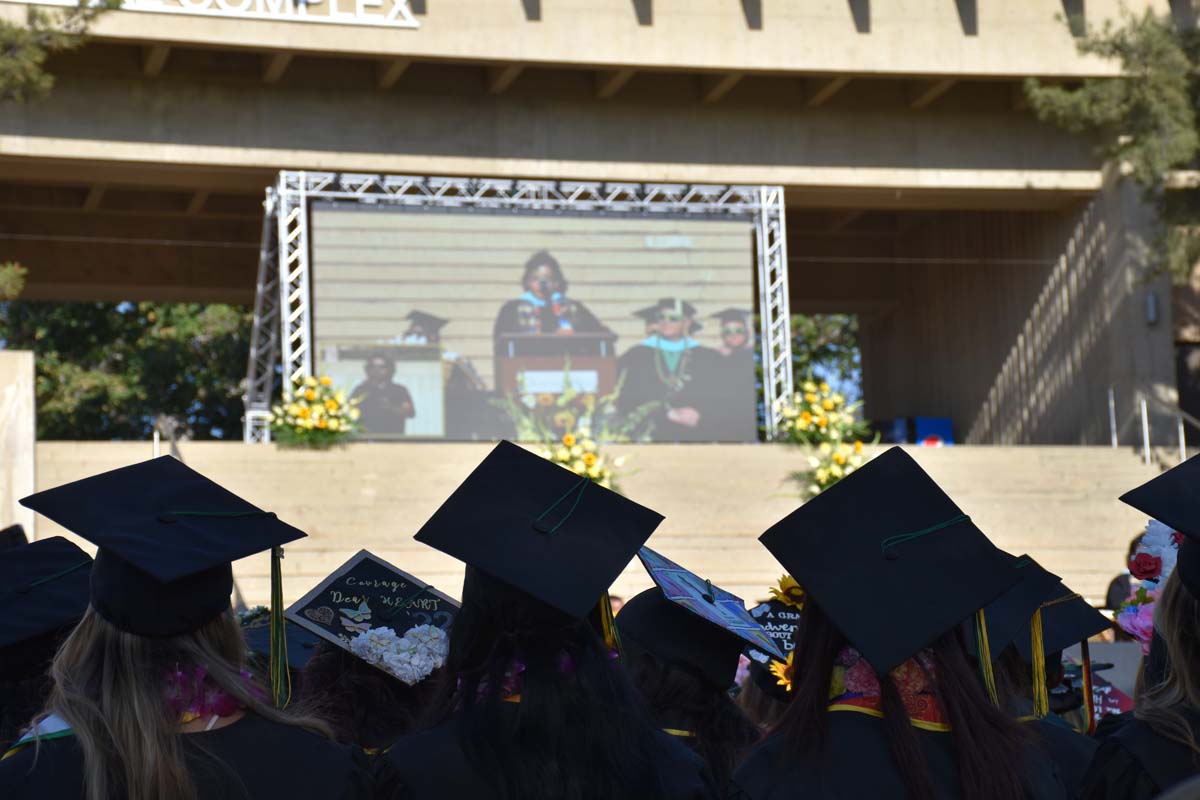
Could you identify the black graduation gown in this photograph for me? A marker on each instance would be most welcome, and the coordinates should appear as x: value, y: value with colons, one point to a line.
x: 699, y: 387
x: 1137, y: 763
x: 382, y: 408
x: 858, y: 764
x: 522, y: 316
x: 255, y: 759
x: 1071, y: 751
x: 735, y: 419
x: 431, y: 765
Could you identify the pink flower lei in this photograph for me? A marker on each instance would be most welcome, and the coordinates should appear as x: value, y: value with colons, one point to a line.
x: 193, y: 695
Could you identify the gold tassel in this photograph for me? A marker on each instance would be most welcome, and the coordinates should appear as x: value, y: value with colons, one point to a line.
x: 985, y: 657
x: 1041, y: 695
x: 608, y: 625
x: 1086, y: 657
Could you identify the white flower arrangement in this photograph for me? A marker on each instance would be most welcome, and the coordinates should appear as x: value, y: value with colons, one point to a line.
x: 411, y: 658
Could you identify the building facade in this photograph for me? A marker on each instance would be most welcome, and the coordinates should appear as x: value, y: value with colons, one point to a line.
x: 999, y: 270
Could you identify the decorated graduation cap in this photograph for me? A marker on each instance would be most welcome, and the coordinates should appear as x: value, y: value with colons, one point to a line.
x: 1173, y: 499
x: 13, y: 536
x: 687, y: 621
x: 427, y: 322
x: 166, y: 538
x: 890, y: 558
x: 780, y: 617
x: 380, y: 614
x: 43, y: 591
x: 543, y: 529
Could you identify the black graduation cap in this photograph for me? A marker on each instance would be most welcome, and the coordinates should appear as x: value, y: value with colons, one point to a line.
x: 649, y: 314
x: 890, y: 558
x: 687, y: 621
x: 1067, y: 619
x: 427, y: 322
x: 13, y: 536
x: 1007, y: 617
x: 166, y: 537
x: 540, y: 528
x: 43, y: 589
x: 780, y: 620
x: 733, y: 315
x: 1171, y: 498
x: 676, y: 306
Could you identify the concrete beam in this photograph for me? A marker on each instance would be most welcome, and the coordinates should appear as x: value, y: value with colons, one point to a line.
x: 94, y: 197
x: 196, y: 203
x: 822, y: 91
x: 609, y: 83
x: 154, y: 58
x: 925, y: 93
x: 274, y: 65
x: 500, y: 78
x: 714, y: 87
x: 388, y: 72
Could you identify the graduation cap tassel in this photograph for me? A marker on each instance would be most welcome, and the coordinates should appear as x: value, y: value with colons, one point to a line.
x: 608, y: 625
x: 281, y: 679
x: 1041, y: 696
x: 1089, y: 724
x: 985, y: 657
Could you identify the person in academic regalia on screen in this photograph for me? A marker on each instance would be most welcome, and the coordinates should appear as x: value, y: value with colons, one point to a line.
x: 736, y: 384
x: 43, y: 595
x: 544, y: 306
x: 386, y: 406
x: 672, y: 378
x: 150, y: 694
x: 1158, y: 746
x: 469, y: 412
x: 884, y: 701
x: 538, y: 707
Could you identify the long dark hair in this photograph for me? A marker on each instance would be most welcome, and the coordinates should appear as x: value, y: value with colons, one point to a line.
x: 988, y: 744
x: 678, y: 697
x: 1174, y: 683
x: 578, y: 732
x: 361, y: 704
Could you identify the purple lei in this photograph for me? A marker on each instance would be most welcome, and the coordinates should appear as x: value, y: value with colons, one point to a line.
x: 193, y: 695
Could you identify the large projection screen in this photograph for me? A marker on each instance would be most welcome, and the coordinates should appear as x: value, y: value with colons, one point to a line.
x: 470, y: 324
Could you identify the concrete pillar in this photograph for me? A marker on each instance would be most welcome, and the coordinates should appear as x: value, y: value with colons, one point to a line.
x: 18, y: 434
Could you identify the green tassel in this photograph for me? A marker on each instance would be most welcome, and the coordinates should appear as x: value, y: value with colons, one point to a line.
x: 281, y: 679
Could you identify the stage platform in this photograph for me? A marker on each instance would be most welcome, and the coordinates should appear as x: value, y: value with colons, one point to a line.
x: 1058, y: 504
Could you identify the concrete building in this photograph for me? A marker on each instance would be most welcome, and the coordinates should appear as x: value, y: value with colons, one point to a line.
x: 999, y: 270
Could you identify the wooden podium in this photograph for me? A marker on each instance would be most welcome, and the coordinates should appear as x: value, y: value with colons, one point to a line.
x: 534, y: 363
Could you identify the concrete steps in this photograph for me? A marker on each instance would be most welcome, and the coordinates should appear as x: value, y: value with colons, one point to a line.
x: 1056, y: 503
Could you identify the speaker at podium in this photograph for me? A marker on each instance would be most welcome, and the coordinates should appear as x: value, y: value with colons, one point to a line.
x: 535, y: 363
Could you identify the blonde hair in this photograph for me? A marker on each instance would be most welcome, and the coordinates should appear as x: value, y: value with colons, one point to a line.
x: 109, y: 686
x: 1177, y: 620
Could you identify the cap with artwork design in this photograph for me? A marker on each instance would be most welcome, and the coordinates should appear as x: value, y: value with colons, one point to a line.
x: 687, y: 621
x: 780, y: 618
x: 1172, y: 499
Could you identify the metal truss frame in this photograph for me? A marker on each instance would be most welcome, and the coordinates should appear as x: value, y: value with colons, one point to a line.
x: 283, y: 307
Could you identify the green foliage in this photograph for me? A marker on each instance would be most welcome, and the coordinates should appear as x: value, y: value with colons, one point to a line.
x: 12, y: 280
x: 105, y: 371
x: 1144, y: 120
x: 25, y: 48
x: 826, y: 345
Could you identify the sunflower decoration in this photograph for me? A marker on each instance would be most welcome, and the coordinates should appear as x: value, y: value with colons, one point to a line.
x: 782, y: 670
x: 789, y: 592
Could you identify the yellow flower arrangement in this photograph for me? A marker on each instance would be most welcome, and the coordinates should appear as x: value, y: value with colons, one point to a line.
x: 580, y: 453
x: 818, y: 414
x: 317, y: 415
x: 829, y: 464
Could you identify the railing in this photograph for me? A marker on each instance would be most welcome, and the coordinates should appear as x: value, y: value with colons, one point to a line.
x: 1144, y: 403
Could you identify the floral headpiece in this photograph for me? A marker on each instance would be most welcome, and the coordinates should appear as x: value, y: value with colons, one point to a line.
x: 1152, y: 563
x: 411, y: 658
x: 789, y: 592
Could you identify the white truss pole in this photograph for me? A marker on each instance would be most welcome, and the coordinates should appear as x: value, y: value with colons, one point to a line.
x: 774, y: 305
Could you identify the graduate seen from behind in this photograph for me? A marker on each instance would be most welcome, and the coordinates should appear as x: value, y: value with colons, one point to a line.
x: 538, y: 705
x: 150, y: 697
x: 682, y: 640
x: 1160, y: 747
x: 885, y: 703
